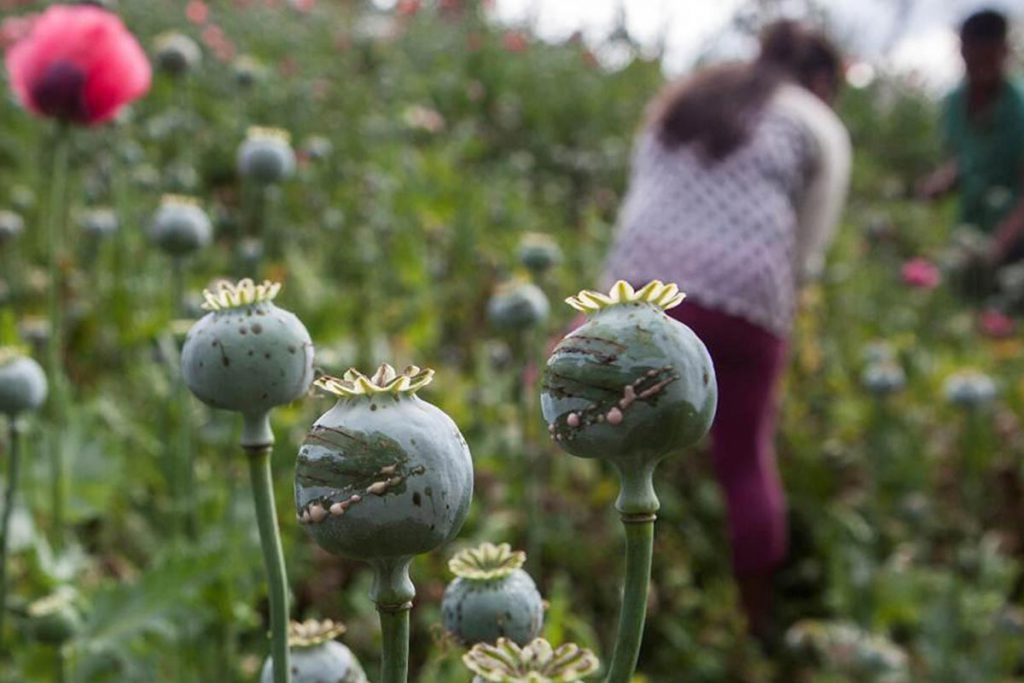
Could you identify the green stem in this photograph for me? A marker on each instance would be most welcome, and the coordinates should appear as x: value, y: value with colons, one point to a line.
x: 55, y: 230
x: 273, y: 557
x: 177, y: 287
x: 392, y: 592
x: 60, y: 665
x: 532, y: 473
x: 394, y: 627
x: 13, y: 457
x: 639, y: 553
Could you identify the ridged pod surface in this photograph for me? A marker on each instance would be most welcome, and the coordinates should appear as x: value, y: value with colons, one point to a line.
x: 631, y: 385
x: 383, y: 475
x: 491, y: 597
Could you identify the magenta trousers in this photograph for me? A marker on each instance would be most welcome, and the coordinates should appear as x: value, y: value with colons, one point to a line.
x: 749, y: 362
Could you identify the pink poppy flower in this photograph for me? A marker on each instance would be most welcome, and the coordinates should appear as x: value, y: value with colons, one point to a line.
x: 515, y: 41
x: 78, y: 63
x: 921, y: 273
x: 408, y: 8
x: 995, y: 324
x: 197, y: 12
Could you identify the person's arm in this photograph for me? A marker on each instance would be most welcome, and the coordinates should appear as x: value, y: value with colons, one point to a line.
x: 1009, y: 232
x: 939, y: 182
x: 821, y: 204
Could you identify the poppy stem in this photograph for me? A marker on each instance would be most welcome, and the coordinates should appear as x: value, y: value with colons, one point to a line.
x: 273, y: 557
x: 394, y: 627
x: 393, y: 592
x: 55, y: 231
x: 14, y: 454
x: 639, y: 554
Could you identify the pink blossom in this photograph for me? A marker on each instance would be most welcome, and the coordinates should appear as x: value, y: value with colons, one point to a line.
x: 197, y: 12
x: 515, y: 41
x: 77, y: 63
x: 921, y: 273
x: 995, y: 324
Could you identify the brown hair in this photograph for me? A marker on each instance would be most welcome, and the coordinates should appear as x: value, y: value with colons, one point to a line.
x: 714, y: 108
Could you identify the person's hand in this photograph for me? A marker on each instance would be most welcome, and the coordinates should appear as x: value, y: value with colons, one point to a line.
x: 936, y: 183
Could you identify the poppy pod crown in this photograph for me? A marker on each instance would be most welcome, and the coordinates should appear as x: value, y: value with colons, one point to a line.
x: 78, y: 64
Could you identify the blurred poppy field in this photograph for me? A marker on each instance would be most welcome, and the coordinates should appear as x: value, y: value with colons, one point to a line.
x: 434, y: 150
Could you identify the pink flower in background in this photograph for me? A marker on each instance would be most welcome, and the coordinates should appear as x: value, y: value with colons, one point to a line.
x: 77, y: 63
x: 921, y: 273
x: 995, y: 324
x: 304, y: 5
x: 408, y: 8
x: 515, y: 41
x: 197, y: 12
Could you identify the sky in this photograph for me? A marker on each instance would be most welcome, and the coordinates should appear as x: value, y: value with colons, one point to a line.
x: 692, y: 28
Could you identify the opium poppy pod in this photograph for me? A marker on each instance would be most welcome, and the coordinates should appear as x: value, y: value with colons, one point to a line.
x: 78, y: 64
x: 266, y: 155
x: 631, y: 385
x: 180, y: 226
x: 247, y: 355
x: 316, y: 657
x: 22, y: 383
x: 383, y: 475
x: 517, y: 306
x: 536, y: 662
x: 491, y: 597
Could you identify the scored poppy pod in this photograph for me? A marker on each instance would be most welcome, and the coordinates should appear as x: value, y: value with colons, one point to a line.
x: 79, y: 64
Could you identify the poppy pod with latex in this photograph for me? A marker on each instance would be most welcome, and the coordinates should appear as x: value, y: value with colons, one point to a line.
x: 631, y: 385
x: 383, y: 474
x: 79, y: 64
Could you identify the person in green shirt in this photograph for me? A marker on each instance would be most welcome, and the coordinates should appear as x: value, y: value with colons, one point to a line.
x: 983, y: 126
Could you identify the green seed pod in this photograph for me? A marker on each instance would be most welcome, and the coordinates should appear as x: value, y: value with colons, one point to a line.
x: 11, y: 226
x: 180, y: 227
x: 538, y: 662
x: 539, y: 252
x: 54, y: 620
x: 970, y: 389
x: 883, y: 378
x: 247, y: 71
x: 247, y: 355
x: 266, y: 156
x: 846, y: 649
x: 316, y: 657
x: 176, y: 54
x: 98, y: 223
x: 22, y: 383
x: 317, y: 147
x: 492, y: 597
x: 383, y: 475
x: 517, y: 306
x: 631, y: 386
